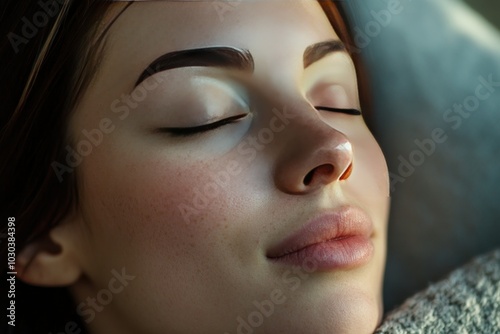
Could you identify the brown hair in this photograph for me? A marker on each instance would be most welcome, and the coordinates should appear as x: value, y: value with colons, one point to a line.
x: 42, y: 84
x: 48, y: 58
x: 45, y: 70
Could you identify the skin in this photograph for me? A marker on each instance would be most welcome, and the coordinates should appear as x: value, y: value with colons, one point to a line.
x: 197, y: 271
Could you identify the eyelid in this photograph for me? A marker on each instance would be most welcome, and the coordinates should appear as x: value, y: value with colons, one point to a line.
x: 348, y: 111
x: 189, y: 131
x: 232, y: 85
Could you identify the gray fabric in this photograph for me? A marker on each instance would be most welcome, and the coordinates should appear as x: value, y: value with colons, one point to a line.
x: 423, y: 60
x: 468, y: 301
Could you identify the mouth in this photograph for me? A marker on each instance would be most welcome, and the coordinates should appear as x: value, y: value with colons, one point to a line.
x: 340, y: 239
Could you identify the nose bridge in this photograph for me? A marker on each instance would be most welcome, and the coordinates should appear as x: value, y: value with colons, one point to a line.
x: 309, y: 135
x: 311, y: 153
x: 282, y: 93
x: 298, y: 122
x: 306, y: 123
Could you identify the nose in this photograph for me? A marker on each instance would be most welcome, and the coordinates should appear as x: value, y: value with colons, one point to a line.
x: 315, y: 155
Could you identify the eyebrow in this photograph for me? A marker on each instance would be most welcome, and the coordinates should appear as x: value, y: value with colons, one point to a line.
x: 318, y: 51
x: 229, y: 57
x: 220, y: 56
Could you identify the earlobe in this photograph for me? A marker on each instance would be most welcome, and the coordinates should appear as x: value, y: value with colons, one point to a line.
x: 50, y: 261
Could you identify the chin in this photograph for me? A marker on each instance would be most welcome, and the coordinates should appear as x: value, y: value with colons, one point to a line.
x: 342, y: 313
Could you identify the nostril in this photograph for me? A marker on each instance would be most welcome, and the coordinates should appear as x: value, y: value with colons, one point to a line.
x: 308, y: 178
x: 321, y: 171
x: 347, y: 173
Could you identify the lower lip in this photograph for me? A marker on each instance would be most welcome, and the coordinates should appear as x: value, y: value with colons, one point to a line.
x: 343, y: 253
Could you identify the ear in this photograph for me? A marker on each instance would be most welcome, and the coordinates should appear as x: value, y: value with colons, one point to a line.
x: 50, y: 260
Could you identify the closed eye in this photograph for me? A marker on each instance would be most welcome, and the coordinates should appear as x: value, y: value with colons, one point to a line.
x: 190, y: 131
x: 353, y: 112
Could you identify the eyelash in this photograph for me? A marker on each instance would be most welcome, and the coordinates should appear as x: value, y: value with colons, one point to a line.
x: 353, y: 112
x: 191, y: 131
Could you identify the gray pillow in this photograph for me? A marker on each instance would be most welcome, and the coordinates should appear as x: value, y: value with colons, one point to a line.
x: 434, y: 68
x: 468, y: 301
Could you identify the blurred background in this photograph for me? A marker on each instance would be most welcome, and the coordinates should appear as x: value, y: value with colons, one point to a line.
x: 490, y: 9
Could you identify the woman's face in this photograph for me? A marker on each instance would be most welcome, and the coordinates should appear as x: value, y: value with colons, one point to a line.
x: 270, y: 220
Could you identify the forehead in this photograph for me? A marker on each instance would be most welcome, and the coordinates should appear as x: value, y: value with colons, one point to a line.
x: 271, y: 30
x: 185, y: 21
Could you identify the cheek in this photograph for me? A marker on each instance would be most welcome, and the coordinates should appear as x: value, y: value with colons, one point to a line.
x: 370, y: 167
x: 155, y: 204
x: 133, y: 203
x: 370, y: 179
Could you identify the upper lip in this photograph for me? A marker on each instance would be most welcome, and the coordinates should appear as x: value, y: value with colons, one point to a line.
x: 343, y: 222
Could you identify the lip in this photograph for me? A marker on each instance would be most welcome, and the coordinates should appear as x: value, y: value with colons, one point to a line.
x: 339, y: 239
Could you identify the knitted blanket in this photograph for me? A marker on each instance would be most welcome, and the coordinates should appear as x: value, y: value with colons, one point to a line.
x: 466, y: 302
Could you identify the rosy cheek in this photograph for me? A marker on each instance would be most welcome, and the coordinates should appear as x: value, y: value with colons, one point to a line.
x: 146, y: 199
